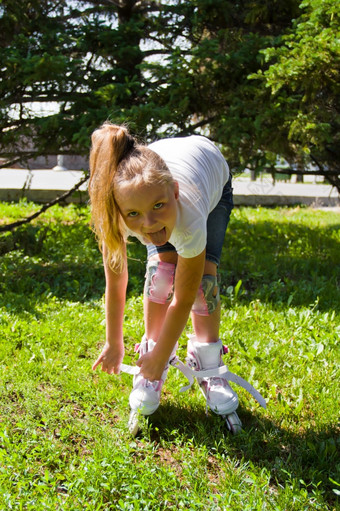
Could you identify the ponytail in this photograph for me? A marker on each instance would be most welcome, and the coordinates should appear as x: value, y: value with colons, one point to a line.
x: 116, y: 158
x: 110, y: 144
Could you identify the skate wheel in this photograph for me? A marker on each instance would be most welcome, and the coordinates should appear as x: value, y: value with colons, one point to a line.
x: 233, y: 423
x: 133, y: 423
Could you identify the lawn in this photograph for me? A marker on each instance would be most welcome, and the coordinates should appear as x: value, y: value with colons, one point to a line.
x: 64, y: 442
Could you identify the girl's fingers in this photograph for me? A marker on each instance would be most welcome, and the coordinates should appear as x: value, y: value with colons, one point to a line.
x: 96, y: 364
x: 116, y: 370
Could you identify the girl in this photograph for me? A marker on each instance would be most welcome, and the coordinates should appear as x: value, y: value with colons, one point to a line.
x: 175, y: 196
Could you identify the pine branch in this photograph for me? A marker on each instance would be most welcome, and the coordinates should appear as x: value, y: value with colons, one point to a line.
x: 8, y: 163
x: 14, y: 225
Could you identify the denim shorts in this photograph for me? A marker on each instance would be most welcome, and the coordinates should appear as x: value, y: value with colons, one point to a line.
x: 217, y: 224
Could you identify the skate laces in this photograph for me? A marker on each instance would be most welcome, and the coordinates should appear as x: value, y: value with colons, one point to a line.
x: 142, y: 348
x: 209, y: 383
x: 156, y: 385
x: 215, y: 382
x: 212, y: 381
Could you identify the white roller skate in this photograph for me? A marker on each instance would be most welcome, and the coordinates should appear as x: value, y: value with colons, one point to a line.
x: 145, y: 396
x: 204, y: 363
x: 220, y: 397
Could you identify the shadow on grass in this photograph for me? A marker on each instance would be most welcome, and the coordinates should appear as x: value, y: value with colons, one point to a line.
x: 280, y: 262
x: 307, y: 459
x: 277, y: 262
x: 40, y: 263
x: 30, y: 283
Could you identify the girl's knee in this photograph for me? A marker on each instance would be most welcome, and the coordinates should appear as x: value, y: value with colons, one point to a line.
x: 208, y: 296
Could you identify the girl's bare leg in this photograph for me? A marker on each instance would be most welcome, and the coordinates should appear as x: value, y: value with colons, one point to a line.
x: 207, y: 327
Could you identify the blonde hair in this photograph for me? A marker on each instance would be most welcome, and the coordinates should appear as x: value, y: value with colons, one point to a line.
x: 116, y: 158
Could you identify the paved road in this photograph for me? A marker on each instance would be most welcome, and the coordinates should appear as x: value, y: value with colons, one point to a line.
x: 46, y: 185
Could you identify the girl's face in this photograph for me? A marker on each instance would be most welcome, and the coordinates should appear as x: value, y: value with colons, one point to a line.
x: 149, y: 210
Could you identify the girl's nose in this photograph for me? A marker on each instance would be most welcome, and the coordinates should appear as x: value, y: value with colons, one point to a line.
x: 149, y: 220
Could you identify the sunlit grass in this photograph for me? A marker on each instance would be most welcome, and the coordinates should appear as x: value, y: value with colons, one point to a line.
x: 64, y: 442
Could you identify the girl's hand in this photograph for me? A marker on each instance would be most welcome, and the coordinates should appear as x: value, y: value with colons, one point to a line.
x: 151, y: 367
x: 111, y: 358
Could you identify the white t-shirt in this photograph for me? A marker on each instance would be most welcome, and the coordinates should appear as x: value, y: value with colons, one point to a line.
x: 201, y: 172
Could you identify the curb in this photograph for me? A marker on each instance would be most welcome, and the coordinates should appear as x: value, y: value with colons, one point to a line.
x: 43, y: 186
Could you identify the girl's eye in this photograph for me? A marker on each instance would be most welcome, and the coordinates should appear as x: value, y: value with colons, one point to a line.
x: 132, y: 214
x: 159, y: 205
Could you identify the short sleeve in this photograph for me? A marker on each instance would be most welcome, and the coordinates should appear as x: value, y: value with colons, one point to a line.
x: 193, y: 243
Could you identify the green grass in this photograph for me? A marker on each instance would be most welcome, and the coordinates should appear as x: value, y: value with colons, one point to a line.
x: 64, y: 443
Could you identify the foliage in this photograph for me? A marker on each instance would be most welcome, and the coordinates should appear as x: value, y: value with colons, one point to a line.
x: 63, y: 435
x: 68, y: 54
x: 303, y: 78
x: 260, y: 78
x: 87, y: 59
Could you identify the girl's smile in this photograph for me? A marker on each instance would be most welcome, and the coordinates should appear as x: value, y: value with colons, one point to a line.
x: 149, y: 210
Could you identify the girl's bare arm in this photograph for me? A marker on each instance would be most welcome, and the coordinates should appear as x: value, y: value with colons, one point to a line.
x: 188, y: 277
x: 115, y: 295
